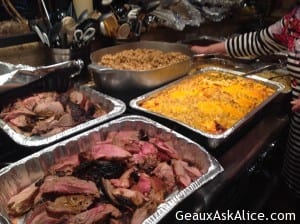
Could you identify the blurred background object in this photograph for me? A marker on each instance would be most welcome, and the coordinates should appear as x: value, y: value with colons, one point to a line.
x: 55, y: 21
x: 12, y: 21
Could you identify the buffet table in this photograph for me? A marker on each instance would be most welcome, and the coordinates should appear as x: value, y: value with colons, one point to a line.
x: 237, y: 157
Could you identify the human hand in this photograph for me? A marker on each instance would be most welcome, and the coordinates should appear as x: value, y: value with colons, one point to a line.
x: 295, y: 105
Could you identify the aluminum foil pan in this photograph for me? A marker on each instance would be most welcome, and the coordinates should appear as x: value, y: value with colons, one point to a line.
x: 15, y: 76
x: 114, y: 106
x: 213, y: 140
x: 20, y: 174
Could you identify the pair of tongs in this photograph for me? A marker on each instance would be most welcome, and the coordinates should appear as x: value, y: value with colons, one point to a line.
x: 21, y: 77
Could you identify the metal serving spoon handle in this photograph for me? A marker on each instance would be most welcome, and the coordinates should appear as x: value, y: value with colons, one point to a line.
x: 263, y: 68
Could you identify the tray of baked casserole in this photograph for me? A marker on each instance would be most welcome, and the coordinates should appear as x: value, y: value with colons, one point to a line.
x: 213, y: 102
x: 129, y: 170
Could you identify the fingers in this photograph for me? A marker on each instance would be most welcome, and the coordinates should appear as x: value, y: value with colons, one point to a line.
x: 295, y: 105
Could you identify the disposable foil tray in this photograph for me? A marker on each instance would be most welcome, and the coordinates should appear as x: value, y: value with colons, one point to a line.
x: 28, y: 170
x: 115, y: 107
x: 212, y: 140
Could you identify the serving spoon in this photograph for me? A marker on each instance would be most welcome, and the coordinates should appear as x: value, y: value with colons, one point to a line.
x: 263, y: 68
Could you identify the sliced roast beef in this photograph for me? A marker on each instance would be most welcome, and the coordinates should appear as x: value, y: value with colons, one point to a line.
x: 39, y: 215
x: 181, y: 176
x: 23, y: 201
x: 109, y: 152
x: 143, y: 212
x: 132, y: 147
x: 43, y: 126
x: 97, y: 214
x: 65, y: 120
x: 19, y: 121
x: 70, y: 204
x: 128, y: 197
x: 68, y: 185
x: 124, y: 180
x: 143, y: 185
x: 6, y: 116
x: 146, y: 162
x: 31, y: 102
x: 108, y: 188
x: 65, y: 166
x: 48, y: 109
x: 158, y: 190
x: 77, y: 113
x: 148, y: 148
x: 125, y: 136
x: 77, y: 97
x: 192, y: 171
x: 165, y: 147
x: 166, y: 174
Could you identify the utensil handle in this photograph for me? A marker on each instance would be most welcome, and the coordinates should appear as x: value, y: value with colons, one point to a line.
x: 205, y: 55
x: 263, y: 68
x: 98, y: 68
x: 46, y: 12
x: 41, y: 70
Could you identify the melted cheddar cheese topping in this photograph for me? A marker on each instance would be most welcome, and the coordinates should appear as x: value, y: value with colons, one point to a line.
x: 212, y: 101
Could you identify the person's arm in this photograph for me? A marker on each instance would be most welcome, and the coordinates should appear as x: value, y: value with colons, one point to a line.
x: 263, y: 42
x: 217, y: 48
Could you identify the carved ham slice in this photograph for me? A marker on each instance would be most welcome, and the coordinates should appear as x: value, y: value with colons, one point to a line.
x: 68, y: 185
x: 23, y: 201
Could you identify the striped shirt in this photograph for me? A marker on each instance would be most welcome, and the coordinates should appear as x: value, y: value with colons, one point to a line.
x: 282, y: 36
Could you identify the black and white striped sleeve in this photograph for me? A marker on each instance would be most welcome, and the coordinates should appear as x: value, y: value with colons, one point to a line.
x: 253, y: 44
